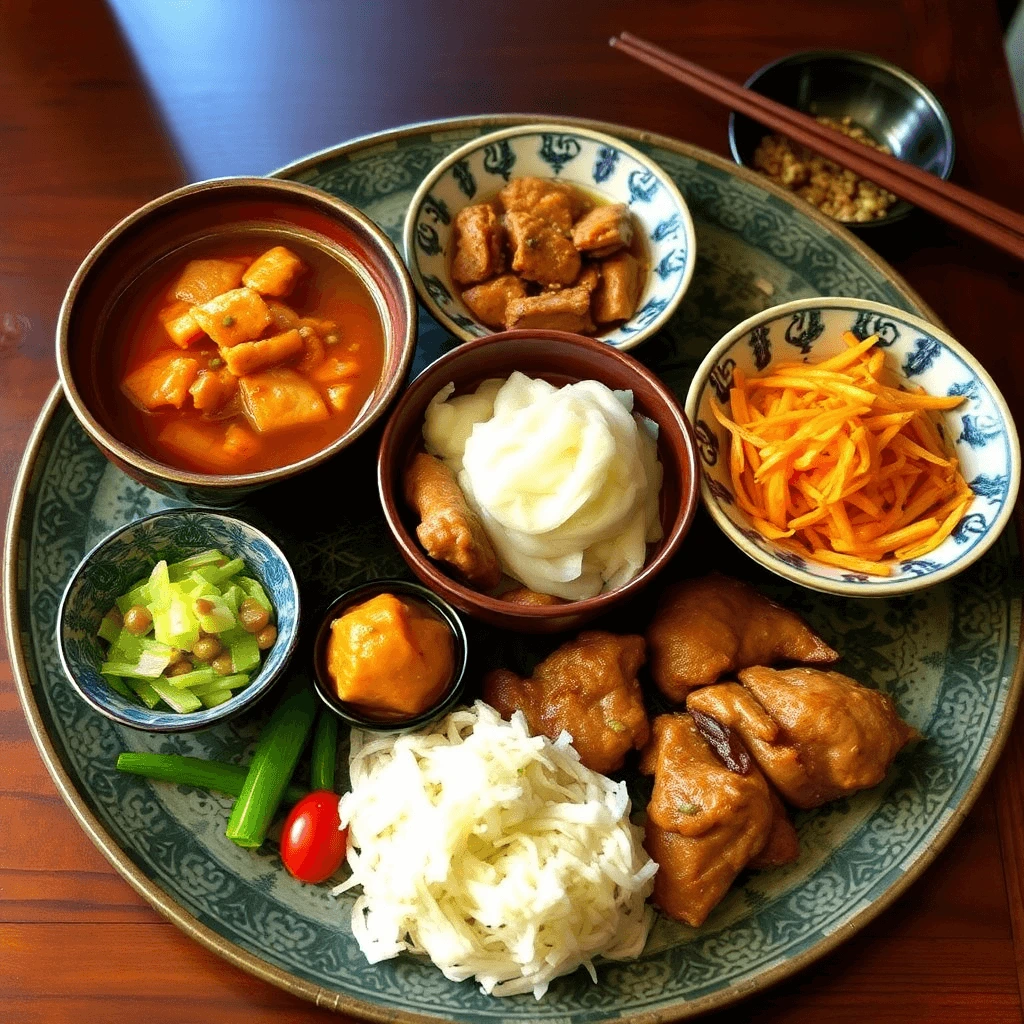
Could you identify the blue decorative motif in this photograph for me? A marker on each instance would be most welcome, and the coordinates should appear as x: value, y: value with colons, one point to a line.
x: 647, y: 314
x: 926, y: 351
x: 720, y: 378
x: 761, y: 345
x: 499, y: 158
x: 805, y: 329
x: 673, y: 263
x: 464, y: 178
x: 719, y: 490
x: 558, y: 150
x: 993, y: 488
x: 642, y: 185
x: 438, y: 290
x: 707, y: 442
x: 977, y: 431
x: 920, y: 566
x: 972, y: 525
x: 427, y: 240
x: 438, y: 209
x: 604, y: 165
x: 791, y: 558
x: 464, y: 321
x: 868, y: 323
x: 667, y: 229
x: 854, y: 577
x: 967, y: 388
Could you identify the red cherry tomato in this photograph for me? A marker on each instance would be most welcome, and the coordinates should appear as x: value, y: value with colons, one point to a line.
x: 313, y: 843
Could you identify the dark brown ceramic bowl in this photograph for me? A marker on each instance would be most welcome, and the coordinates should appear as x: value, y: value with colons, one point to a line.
x: 560, y: 358
x: 280, y: 209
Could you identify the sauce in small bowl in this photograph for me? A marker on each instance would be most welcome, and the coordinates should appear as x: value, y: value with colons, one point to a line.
x: 384, y: 624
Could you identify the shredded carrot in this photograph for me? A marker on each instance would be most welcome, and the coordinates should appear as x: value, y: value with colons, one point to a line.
x: 840, y: 462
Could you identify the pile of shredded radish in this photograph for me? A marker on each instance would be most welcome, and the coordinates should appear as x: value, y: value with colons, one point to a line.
x: 494, y: 852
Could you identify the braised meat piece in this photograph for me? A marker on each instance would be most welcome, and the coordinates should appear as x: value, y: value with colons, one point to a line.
x: 617, y: 295
x: 530, y: 598
x: 783, y: 846
x: 705, y: 823
x: 817, y: 735
x: 565, y: 310
x: 528, y: 195
x: 542, y: 249
x: 706, y: 627
x: 488, y: 301
x: 449, y: 530
x: 587, y: 687
x: 604, y: 230
x: 589, y: 278
x: 479, y: 244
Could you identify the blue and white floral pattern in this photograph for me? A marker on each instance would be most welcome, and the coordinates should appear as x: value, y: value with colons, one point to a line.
x: 981, y: 430
x: 590, y: 159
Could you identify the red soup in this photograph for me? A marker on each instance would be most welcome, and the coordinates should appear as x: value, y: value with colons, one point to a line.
x: 244, y: 354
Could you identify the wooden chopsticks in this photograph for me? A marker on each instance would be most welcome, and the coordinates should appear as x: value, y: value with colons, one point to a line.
x: 987, y: 220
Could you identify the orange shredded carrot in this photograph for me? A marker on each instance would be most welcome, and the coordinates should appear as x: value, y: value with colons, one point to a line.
x: 841, y: 462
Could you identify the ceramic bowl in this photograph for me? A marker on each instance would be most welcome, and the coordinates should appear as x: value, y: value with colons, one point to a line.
x: 129, y: 554
x: 402, y: 588
x: 597, y: 163
x: 282, y: 210
x: 981, y: 431
x: 560, y: 358
x: 893, y: 106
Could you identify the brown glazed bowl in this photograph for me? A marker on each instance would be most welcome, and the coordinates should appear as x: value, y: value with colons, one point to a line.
x: 203, y: 210
x: 560, y: 358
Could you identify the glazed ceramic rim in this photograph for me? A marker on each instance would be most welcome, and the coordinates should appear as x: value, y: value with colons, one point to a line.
x: 872, y: 60
x: 388, y: 459
x: 453, y: 692
x: 171, y: 721
x: 337, y: 1001
x: 286, y: 190
x: 664, y: 178
x: 841, y: 587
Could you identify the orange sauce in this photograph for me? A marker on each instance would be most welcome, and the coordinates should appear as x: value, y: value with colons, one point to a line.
x: 209, y: 441
x: 392, y: 657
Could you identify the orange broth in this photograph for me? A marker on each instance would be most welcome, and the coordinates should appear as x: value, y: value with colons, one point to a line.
x: 200, y: 441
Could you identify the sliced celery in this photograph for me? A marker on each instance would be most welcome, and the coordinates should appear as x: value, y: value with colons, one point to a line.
x: 139, y: 594
x: 109, y: 630
x: 245, y: 653
x: 159, y: 587
x: 150, y: 665
x: 188, y: 680
x: 182, y: 701
x: 233, y: 682
x: 117, y: 684
x: 233, y: 597
x: 254, y: 589
x: 219, y: 573
x: 211, y: 700
x: 179, y: 570
x: 146, y: 693
x: 218, y: 618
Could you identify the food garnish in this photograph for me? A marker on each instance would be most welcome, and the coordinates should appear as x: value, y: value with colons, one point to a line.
x: 189, y: 635
x: 564, y: 480
x: 313, y: 843
x: 839, y: 462
x: 495, y: 853
x: 391, y: 657
x: 324, y: 753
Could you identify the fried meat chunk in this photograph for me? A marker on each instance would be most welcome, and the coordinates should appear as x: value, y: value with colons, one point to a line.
x: 604, y: 230
x: 564, y: 310
x: 817, y: 735
x: 619, y: 291
x: 705, y: 823
x: 587, y: 687
x: 489, y: 301
x: 525, y: 195
x: 529, y: 598
x: 479, y: 244
x: 449, y: 530
x: 706, y: 627
x: 542, y: 248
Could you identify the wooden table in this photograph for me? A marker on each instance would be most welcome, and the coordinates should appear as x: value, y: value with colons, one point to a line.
x: 246, y: 86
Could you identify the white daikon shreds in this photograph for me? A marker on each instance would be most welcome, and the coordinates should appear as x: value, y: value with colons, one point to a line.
x: 494, y: 852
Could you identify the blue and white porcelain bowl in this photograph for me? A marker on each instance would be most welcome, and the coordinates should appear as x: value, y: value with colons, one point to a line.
x: 129, y: 554
x: 597, y: 163
x: 981, y: 431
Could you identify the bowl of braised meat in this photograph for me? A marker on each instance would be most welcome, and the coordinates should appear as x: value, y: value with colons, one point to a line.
x: 550, y: 227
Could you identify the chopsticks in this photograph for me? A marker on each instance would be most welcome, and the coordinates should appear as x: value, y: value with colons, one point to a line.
x: 987, y: 220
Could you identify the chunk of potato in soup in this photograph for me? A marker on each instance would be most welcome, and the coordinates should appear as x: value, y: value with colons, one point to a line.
x: 242, y: 354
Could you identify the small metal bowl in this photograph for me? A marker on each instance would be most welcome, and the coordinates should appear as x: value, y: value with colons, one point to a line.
x: 349, y: 712
x: 891, y: 105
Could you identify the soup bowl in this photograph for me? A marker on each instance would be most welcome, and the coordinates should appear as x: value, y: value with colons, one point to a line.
x: 276, y: 210
x: 559, y: 358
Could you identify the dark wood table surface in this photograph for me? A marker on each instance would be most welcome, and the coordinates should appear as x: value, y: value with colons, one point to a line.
x: 103, y: 108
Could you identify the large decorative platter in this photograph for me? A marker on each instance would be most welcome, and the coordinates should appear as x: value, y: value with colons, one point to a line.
x: 949, y: 656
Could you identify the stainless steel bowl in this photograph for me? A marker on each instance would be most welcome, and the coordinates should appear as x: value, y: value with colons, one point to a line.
x: 893, y: 106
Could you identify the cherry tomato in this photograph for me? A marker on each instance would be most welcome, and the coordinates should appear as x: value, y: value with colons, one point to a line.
x: 313, y: 843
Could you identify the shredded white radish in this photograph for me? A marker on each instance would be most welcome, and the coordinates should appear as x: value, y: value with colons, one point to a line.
x: 494, y: 852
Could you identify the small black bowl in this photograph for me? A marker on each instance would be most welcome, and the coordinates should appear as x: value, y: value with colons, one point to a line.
x: 890, y: 104
x: 349, y: 712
